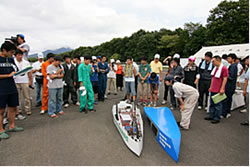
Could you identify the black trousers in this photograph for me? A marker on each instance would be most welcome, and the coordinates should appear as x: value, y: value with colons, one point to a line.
x: 119, y: 80
x: 69, y: 90
x: 136, y: 83
x: 203, y: 87
x: 227, y: 103
x: 166, y: 92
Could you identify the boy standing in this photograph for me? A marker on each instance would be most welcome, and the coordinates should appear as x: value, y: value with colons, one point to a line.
x: 69, y: 79
x: 55, y: 84
x: 129, y: 76
x: 102, y: 78
x: 86, y: 90
x: 218, y: 84
x: 144, y: 71
x: 230, y: 86
x: 8, y: 90
x: 154, y: 85
x: 50, y: 59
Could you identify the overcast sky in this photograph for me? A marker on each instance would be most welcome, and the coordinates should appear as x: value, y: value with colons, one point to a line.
x: 51, y: 24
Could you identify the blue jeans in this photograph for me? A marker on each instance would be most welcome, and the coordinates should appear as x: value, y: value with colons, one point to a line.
x: 55, y: 100
x: 227, y: 103
x: 38, y: 93
x: 102, y: 86
x: 130, y: 88
x: 215, y: 110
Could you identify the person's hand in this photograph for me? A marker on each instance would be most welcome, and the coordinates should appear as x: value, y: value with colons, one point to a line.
x: 209, y: 90
x: 160, y: 79
x: 12, y: 73
x: 196, y: 81
x: 30, y: 83
x: 182, y: 107
x: 244, y: 93
x: 74, y: 83
x: 142, y: 81
x: 222, y: 91
x: 60, y: 70
x: 175, y: 77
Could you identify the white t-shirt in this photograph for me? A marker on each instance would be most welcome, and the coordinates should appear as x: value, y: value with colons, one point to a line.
x: 23, y: 78
x: 136, y: 68
x: 112, y: 73
x: 27, y: 48
x: 36, y: 66
x: 239, y: 68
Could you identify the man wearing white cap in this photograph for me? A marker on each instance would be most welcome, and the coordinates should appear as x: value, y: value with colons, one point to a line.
x: 156, y: 66
x: 38, y: 78
x: 112, y: 76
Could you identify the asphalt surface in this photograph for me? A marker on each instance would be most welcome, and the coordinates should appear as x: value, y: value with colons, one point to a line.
x: 92, y: 139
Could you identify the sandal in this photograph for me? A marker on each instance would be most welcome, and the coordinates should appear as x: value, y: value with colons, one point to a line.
x: 53, y: 116
x: 4, y: 135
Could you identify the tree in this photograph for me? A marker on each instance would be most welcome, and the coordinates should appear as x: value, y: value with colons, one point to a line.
x: 228, y: 23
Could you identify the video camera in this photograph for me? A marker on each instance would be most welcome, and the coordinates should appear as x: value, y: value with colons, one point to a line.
x: 13, y: 39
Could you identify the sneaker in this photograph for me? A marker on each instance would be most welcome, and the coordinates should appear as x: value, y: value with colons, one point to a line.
x: 66, y: 105
x: 243, y: 110
x: 42, y: 112
x: 155, y: 105
x: 221, y: 117
x: 199, y: 107
x: 172, y: 108
x: 92, y: 110
x: 215, y: 121
x: 5, y: 121
x: 115, y: 94
x: 61, y: 113
x: 150, y: 104
x: 205, y: 108
x: 16, y: 129
x: 105, y: 96
x: 182, y: 128
x: 245, y: 123
x: 53, y: 116
x: 144, y: 103
x: 29, y: 113
x: 228, y: 115
x: 20, y: 117
x: 4, y: 135
x: 208, y: 119
x: 163, y: 102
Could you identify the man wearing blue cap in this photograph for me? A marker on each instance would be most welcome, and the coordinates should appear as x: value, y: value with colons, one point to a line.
x: 190, y: 96
x: 23, y: 46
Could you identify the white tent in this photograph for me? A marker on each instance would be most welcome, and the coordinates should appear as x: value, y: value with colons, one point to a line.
x: 241, y: 50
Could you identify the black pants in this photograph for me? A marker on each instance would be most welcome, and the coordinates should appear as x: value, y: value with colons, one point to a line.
x: 203, y: 87
x: 172, y: 97
x: 136, y: 83
x: 119, y: 80
x: 69, y: 90
x: 227, y: 103
x: 166, y: 92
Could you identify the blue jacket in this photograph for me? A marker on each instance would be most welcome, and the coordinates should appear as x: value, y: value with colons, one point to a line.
x: 232, y: 77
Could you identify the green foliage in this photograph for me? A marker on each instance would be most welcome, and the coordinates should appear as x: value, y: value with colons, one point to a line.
x: 228, y: 23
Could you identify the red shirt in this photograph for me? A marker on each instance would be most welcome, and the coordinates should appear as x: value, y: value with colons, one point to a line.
x: 217, y: 82
x: 119, y: 69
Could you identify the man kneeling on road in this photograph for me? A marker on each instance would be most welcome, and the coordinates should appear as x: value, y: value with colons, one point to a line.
x: 187, y: 106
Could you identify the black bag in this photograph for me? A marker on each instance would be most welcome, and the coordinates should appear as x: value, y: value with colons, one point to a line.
x: 39, y: 79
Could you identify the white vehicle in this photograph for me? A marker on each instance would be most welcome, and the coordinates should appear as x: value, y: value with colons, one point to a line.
x: 127, y: 118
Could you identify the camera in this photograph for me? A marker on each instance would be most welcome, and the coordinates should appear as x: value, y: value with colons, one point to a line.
x: 13, y: 39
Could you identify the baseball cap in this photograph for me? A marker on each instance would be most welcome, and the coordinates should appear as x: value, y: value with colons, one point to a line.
x: 176, y: 55
x: 118, y: 61
x: 93, y: 57
x: 112, y: 60
x: 40, y: 55
x: 157, y: 56
x: 192, y: 58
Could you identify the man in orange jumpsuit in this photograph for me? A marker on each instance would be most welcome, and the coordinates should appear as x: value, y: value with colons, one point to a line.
x: 50, y: 59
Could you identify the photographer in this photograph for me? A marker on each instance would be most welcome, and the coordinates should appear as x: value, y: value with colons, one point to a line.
x: 38, y: 77
x: 23, y: 82
x: 23, y: 46
x: 8, y: 90
x: 112, y: 76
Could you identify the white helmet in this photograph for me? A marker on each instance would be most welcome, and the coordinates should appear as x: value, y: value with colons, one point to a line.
x: 176, y: 55
x: 40, y: 55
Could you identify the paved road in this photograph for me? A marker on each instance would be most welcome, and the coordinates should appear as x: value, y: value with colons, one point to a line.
x: 92, y: 139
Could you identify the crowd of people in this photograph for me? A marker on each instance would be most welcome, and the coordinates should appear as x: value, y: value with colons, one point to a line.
x: 89, y: 80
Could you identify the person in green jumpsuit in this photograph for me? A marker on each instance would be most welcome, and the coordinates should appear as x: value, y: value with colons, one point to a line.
x: 84, y: 72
